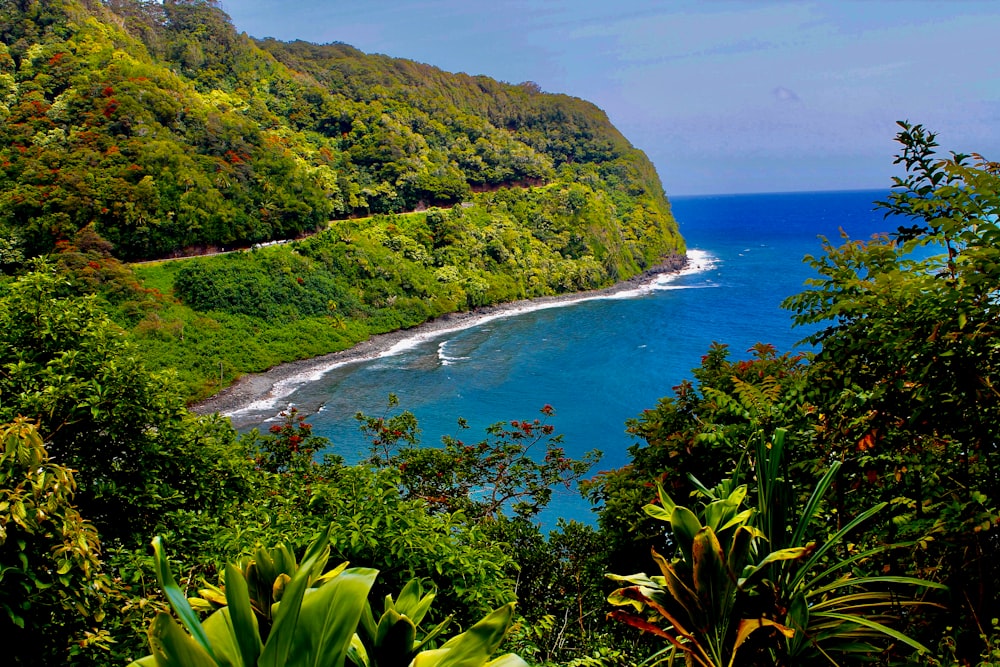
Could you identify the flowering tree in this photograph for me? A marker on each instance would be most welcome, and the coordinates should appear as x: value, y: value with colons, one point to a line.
x: 514, y: 468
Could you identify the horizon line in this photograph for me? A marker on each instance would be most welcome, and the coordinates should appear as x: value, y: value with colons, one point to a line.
x: 775, y: 192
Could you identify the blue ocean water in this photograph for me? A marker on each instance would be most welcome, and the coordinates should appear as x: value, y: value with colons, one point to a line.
x: 601, y: 362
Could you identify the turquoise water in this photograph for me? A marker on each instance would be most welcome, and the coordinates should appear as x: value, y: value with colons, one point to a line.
x: 601, y: 362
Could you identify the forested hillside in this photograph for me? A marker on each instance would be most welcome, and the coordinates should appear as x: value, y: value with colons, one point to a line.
x: 164, y: 130
x: 143, y: 130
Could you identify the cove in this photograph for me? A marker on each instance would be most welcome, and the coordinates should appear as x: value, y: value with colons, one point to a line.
x: 602, y: 361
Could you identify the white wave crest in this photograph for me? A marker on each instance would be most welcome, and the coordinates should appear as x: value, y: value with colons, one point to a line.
x: 445, y: 359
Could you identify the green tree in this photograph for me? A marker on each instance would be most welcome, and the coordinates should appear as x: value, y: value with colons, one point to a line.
x: 908, y: 365
x: 140, y: 454
x: 513, y: 470
x: 53, y: 588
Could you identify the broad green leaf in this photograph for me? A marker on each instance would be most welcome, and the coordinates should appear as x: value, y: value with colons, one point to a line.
x: 711, y: 577
x: 420, y: 610
x: 394, y: 640
x: 434, y: 632
x: 211, y: 595
x: 658, y: 512
x: 329, y: 619
x: 791, y: 553
x: 665, y: 500
x: 634, y: 596
x: 633, y: 579
x: 148, y: 661
x: 473, y: 647
x: 330, y: 574
x: 357, y: 653
x: 739, y: 548
x: 718, y: 513
x: 175, y: 596
x: 224, y: 640
x: 430, y: 658
x: 740, y: 518
x: 737, y: 496
x: 686, y: 526
x: 408, y: 597
x: 367, y: 623
x: 753, y: 574
x: 280, y: 643
x: 243, y: 619
x: 318, y: 551
x: 507, y: 660
x: 172, y: 647
x: 687, y: 599
x: 278, y: 587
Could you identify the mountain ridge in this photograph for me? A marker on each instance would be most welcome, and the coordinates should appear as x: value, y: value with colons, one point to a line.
x: 193, y: 134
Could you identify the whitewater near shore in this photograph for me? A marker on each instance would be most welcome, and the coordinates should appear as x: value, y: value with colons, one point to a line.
x: 257, y: 392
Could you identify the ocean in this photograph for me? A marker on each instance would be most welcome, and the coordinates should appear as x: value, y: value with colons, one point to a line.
x: 601, y: 362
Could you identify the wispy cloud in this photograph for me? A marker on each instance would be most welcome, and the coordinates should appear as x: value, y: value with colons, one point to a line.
x: 784, y: 95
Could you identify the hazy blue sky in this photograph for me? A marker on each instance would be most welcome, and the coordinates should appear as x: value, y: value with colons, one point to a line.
x: 723, y: 96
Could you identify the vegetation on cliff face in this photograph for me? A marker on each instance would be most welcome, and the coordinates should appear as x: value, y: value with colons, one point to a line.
x: 141, y: 130
x: 164, y: 129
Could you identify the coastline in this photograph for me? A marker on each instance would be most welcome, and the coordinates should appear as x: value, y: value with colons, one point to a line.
x: 254, y: 391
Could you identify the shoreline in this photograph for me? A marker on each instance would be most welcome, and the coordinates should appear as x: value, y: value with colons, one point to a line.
x: 254, y: 391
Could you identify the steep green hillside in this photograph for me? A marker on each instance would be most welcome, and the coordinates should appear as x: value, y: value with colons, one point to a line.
x: 167, y: 131
x: 142, y: 130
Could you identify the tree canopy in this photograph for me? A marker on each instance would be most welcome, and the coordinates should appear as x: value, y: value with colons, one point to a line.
x: 168, y: 132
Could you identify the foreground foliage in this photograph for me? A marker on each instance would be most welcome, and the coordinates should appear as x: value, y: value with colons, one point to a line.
x: 742, y: 579
x: 898, y: 396
x: 309, y: 617
x: 50, y: 566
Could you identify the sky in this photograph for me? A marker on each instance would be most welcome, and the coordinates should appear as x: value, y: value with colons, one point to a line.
x: 723, y: 96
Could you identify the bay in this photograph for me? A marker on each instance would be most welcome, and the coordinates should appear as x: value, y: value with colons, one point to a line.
x: 600, y: 362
